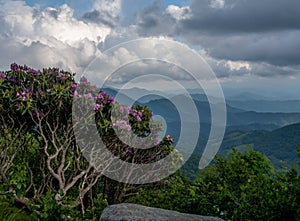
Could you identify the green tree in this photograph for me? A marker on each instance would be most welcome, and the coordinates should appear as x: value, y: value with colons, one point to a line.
x: 42, y: 167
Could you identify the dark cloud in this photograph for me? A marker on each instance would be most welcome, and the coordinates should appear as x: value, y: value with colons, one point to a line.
x: 277, y: 48
x: 152, y: 21
x: 265, y: 33
x: 101, y: 17
x: 243, y: 16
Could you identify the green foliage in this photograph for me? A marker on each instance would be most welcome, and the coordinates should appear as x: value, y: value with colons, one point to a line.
x: 9, y: 212
x: 42, y: 168
x: 283, y: 140
x: 173, y: 193
x: 242, y: 186
x: 44, y: 175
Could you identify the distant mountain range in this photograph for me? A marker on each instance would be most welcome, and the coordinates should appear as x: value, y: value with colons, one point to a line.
x: 287, y: 106
x: 272, y: 127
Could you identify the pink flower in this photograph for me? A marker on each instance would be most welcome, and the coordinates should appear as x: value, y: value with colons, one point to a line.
x: 169, y: 138
x: 111, y: 100
x: 128, y: 127
x: 14, y: 67
x: 89, y: 96
x: 138, y: 118
x: 97, y: 107
x: 76, y: 94
x: 181, y: 159
x: 83, y: 80
x: 73, y: 86
x: 156, y: 141
x: 122, y: 125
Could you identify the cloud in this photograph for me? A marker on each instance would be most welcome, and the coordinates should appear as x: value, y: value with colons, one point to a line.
x: 236, y: 16
x: 263, y: 33
x: 48, y: 37
x: 179, y: 13
x: 229, y: 69
x: 105, y: 12
x: 154, y: 21
x: 276, y: 48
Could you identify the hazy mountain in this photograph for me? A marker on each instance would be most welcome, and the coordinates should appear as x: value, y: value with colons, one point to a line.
x: 237, y: 118
x: 288, y: 106
x: 249, y: 96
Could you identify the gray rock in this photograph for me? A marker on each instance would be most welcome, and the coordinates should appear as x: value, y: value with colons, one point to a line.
x: 134, y: 212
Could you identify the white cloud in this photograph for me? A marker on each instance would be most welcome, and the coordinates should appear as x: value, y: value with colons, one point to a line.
x: 218, y: 4
x: 49, y: 37
x: 178, y: 13
x: 111, y: 7
x: 237, y: 65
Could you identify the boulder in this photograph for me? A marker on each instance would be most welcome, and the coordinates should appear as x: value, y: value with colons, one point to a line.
x: 134, y: 212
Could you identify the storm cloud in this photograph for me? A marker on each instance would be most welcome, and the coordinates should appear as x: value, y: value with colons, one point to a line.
x: 263, y: 33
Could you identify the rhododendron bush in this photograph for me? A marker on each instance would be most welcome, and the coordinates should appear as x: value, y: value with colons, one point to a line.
x: 42, y: 167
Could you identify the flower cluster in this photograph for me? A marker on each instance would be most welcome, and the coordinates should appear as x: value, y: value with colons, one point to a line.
x: 18, y: 68
x: 169, y: 138
x: 98, y: 107
x: 122, y: 124
x: 22, y: 95
x: 104, y: 98
x: 90, y: 92
x: 136, y: 114
x: 73, y: 87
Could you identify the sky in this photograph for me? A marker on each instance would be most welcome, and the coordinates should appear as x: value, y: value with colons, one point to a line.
x: 251, y: 45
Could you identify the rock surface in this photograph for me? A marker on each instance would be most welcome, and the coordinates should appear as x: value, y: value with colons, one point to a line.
x: 134, y: 212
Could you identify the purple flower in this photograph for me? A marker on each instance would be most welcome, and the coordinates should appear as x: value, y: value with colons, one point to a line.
x: 101, y: 98
x: 75, y: 94
x: 14, y: 67
x: 140, y: 114
x: 156, y: 141
x: 2, y: 76
x: 122, y: 124
x: 167, y: 182
x: 73, y: 87
x: 129, y: 110
x: 138, y: 118
x: 104, y: 94
x: 83, y: 80
x: 169, y: 138
x: 122, y: 109
x: 111, y: 100
x: 12, y: 79
x: 89, y: 96
x: 128, y: 127
x: 181, y: 159
x: 34, y: 72
x: 97, y: 107
x: 17, y: 94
